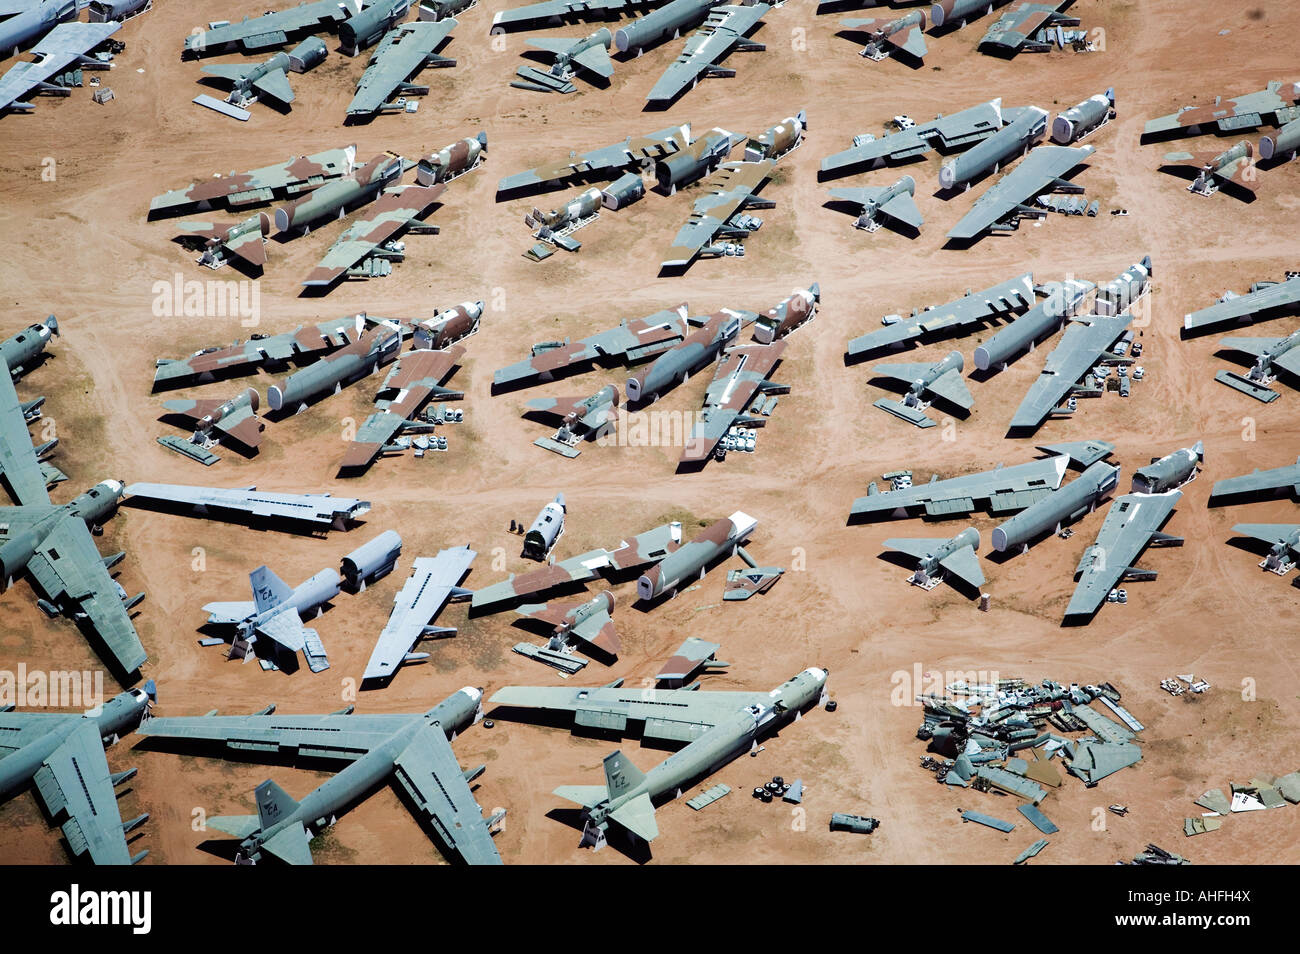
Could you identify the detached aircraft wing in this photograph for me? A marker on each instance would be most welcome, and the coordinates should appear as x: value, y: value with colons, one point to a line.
x: 404, y: 51
x: 432, y: 583
x: 64, y: 46
x: 607, y: 161
x: 1264, y: 300
x: 417, y: 378
x: 1006, y: 201
x: 1007, y: 489
x: 1133, y: 522
x: 956, y: 130
x: 1012, y: 31
x: 731, y: 189
x: 272, y: 29
x: 19, y: 467
x: 1273, y: 534
x: 741, y: 373
x: 724, y: 29
x: 1258, y: 481
x: 1086, y: 341
x: 74, y: 779
x: 391, y: 213
x: 69, y: 570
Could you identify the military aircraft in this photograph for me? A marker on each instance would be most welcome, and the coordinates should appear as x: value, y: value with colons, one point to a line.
x: 1264, y: 300
x: 258, y: 186
x: 404, y: 51
x: 63, y: 752
x: 53, y: 543
x: 1131, y: 525
x: 1003, y: 490
x: 1003, y: 204
x: 1259, y: 483
x: 942, y: 380
x: 742, y: 583
x: 305, y: 342
x: 1283, y: 540
x: 721, y: 214
x: 416, y: 378
x: 556, y: 227
x: 367, y: 245
x: 251, y: 35
x: 725, y: 28
x: 434, y: 581
x: 1087, y: 341
x: 964, y: 314
x: 414, y: 749
x: 333, y: 199
x: 716, y: 727
x: 696, y: 159
x: 1026, y: 27
x: 698, y: 349
x: 1064, y: 505
x: 276, y: 612
x: 788, y: 314
x: 580, y: 419
x: 1276, y: 105
x: 1169, y: 472
x: 22, y: 21
x: 22, y: 351
x: 741, y: 376
x: 633, y: 340
x: 1084, y: 119
x: 1060, y: 301
x: 606, y: 162
x: 589, y: 54
x: 910, y: 140
x: 376, y: 345
x: 648, y: 547
x: 880, y: 204
x: 937, y: 558
x: 589, y: 623
x: 67, y: 45
x: 235, y: 418
x: 1273, y: 357
x: 905, y: 34
x: 223, y: 241
x: 778, y: 140
x: 453, y: 161
x: 270, y: 78
x: 551, y: 12
x: 694, y: 656
x: 315, y: 511
x: 989, y: 155
x: 1232, y: 170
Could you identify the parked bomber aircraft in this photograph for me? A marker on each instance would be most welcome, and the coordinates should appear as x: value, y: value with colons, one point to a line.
x: 258, y: 186
x: 1024, y: 27
x: 53, y: 543
x: 63, y: 753
x: 1004, y: 299
x: 333, y: 199
x: 404, y: 51
x: 1064, y: 505
x: 68, y: 45
x: 741, y: 377
x: 1013, y: 139
x: 413, y: 749
x: 1021, y: 334
x: 434, y: 581
x: 905, y: 34
x: 1003, y: 489
x: 1275, y: 105
x: 1131, y: 525
x: 1264, y: 300
x: 1004, y: 203
x: 726, y: 28
x: 589, y: 54
x: 716, y: 727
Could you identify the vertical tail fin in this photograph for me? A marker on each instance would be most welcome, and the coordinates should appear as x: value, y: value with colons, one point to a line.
x: 621, y: 776
x: 268, y: 589
x: 273, y: 804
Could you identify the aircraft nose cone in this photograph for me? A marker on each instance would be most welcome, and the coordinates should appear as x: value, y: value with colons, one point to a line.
x: 474, y: 693
x: 115, y: 486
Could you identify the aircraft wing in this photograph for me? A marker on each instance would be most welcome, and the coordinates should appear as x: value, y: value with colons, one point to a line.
x: 1007, y: 489
x: 576, y: 569
x: 1233, y: 114
x: 1131, y: 522
x: 19, y: 467
x: 1251, y: 346
x: 392, y: 212
x: 950, y: 386
x: 1270, y: 533
x: 724, y: 27
x: 62, y: 47
x: 548, y: 11
x: 964, y: 564
x: 961, y: 128
x: 679, y: 715
x: 919, y: 547
x: 428, y: 770
x: 1006, y: 200
x: 606, y: 160
x: 345, y: 737
x: 260, y: 186
x: 71, y: 573
x: 286, y: 629
x: 75, y: 779
x: 741, y: 372
x: 1014, y: 294
x: 1011, y: 31
x: 901, y: 207
x: 1265, y: 298
x: 730, y: 189
x: 1260, y: 480
x: 272, y: 29
x: 404, y: 51
x: 417, y: 377
x: 432, y: 583
x: 248, y: 245
x: 1085, y: 340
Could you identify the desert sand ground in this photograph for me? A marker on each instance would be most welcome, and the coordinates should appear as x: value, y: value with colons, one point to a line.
x: 80, y: 247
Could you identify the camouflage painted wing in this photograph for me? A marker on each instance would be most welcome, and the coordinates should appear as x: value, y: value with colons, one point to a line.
x: 606, y: 161
x: 1004, y: 201
x: 740, y: 374
x: 394, y: 211
x: 242, y: 423
x: 725, y: 27
x: 75, y: 779
x: 260, y: 186
x: 415, y: 379
x: 71, y: 573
